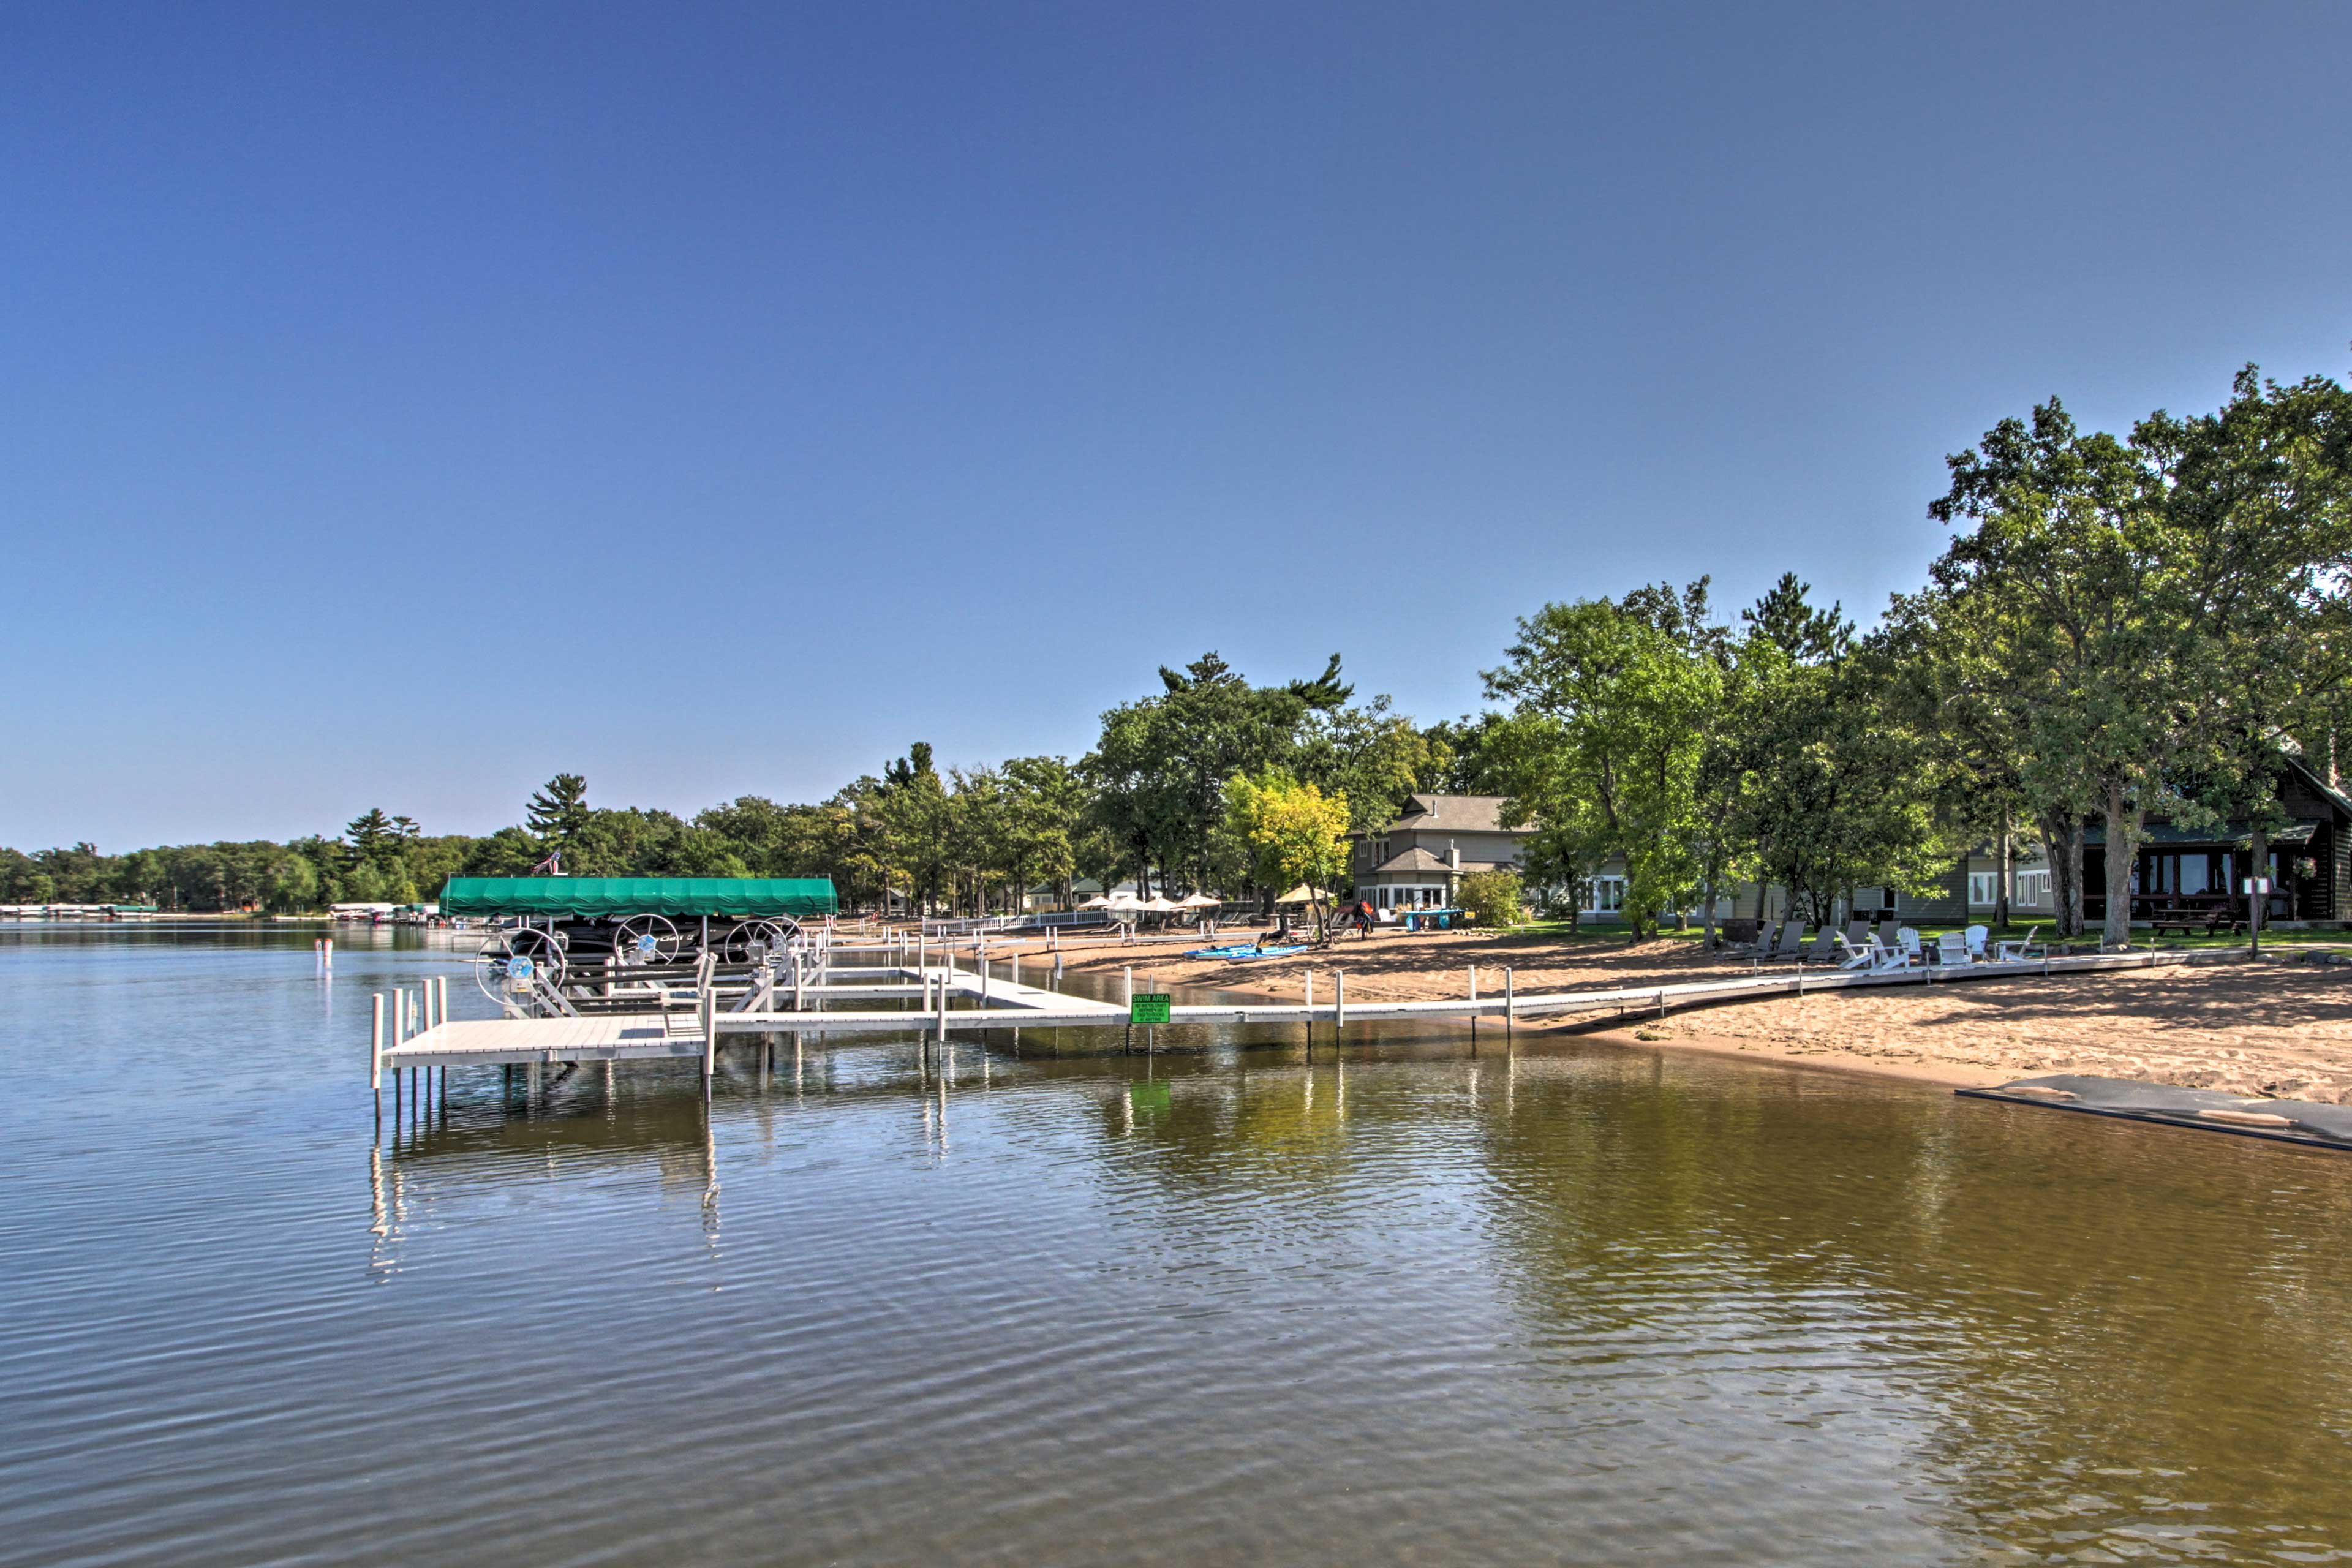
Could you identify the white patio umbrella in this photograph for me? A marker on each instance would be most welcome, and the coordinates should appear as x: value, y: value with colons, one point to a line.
x: 1161, y: 904
x: 1199, y: 901
x: 1100, y: 901
x: 1303, y: 894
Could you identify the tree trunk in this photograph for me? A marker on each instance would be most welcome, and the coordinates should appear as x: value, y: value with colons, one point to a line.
x: 2061, y: 835
x: 2258, y: 864
x: 2123, y: 840
x: 2001, y: 872
x: 1707, y: 915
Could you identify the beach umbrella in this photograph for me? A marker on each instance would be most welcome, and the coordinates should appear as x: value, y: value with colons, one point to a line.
x: 1303, y: 894
x: 1161, y: 904
x: 1198, y: 901
x: 1100, y: 901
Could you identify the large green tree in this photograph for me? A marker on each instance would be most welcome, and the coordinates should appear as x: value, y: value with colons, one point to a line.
x: 1611, y: 700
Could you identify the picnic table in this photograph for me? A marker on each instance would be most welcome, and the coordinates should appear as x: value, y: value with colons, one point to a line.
x: 2187, y: 919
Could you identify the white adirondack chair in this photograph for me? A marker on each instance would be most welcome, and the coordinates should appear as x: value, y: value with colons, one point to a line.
x: 1974, y: 938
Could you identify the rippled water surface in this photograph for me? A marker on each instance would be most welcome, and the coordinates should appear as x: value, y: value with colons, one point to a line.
x: 1569, y: 1303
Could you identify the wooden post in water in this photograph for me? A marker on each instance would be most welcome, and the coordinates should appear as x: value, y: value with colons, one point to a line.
x: 375, y: 1059
x: 1510, y: 1004
x: 1310, y: 1009
x: 1338, y: 1004
x: 1474, y: 1009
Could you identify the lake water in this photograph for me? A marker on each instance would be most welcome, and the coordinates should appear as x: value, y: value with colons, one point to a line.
x: 1575, y: 1303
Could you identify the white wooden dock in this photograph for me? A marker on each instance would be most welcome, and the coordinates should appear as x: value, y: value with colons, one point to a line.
x: 995, y: 1002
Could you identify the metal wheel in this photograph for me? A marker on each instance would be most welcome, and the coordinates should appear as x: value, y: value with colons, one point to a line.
x: 647, y: 939
x: 752, y: 940
x: 515, y: 956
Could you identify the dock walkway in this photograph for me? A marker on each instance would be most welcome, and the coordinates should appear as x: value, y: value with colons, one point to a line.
x: 996, y: 1001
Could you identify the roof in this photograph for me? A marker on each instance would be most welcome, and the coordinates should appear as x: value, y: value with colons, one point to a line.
x: 1451, y: 814
x: 2319, y: 781
x: 638, y: 896
x: 1411, y: 861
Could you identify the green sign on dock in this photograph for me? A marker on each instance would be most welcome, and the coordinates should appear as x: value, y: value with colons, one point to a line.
x: 1147, y: 1007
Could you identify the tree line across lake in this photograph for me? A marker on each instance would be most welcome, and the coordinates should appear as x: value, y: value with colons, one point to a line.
x: 2121, y: 625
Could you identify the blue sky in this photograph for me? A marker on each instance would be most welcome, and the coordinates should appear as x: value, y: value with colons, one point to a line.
x: 404, y: 404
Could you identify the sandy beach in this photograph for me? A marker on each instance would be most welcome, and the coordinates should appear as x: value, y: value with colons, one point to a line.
x: 2276, y: 1027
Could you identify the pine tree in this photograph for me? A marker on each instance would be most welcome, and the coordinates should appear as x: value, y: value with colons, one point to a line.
x: 559, y: 813
x: 373, y: 836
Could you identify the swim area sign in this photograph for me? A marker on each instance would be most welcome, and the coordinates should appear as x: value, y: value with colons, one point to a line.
x: 1147, y: 1007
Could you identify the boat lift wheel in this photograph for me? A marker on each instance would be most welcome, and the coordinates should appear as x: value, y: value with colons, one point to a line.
x: 752, y: 940
x: 647, y: 939
x: 516, y: 955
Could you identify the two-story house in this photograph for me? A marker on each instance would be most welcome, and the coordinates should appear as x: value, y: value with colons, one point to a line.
x: 1418, y: 860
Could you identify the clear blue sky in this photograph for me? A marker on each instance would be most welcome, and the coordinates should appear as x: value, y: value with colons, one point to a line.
x: 405, y: 402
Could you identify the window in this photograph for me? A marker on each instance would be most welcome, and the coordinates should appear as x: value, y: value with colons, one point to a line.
x: 2033, y: 889
x: 1607, y: 896
x: 1980, y: 889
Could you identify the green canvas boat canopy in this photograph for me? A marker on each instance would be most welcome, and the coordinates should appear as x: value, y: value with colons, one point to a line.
x: 591, y: 896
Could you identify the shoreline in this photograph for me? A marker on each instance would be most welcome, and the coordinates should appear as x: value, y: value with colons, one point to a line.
x: 2264, y: 1029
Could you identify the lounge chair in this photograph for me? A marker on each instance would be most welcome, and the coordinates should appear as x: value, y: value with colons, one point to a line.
x: 2024, y: 950
x: 1863, y: 955
x: 1791, y: 944
x: 1907, y: 953
x: 1888, y: 933
x: 1973, y: 939
x: 1825, y: 947
x: 1858, y: 933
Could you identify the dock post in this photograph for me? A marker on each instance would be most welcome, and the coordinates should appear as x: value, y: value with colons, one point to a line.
x: 1338, y: 1004
x: 980, y: 962
x: 1016, y: 969
x: 375, y: 1059
x: 443, y: 981
x: 1474, y: 1009
x: 1310, y: 1010
x: 707, y: 1003
x: 1127, y: 973
x: 941, y: 1034
x: 1509, y: 1002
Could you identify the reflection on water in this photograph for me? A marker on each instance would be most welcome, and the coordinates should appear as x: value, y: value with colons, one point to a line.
x: 1561, y: 1302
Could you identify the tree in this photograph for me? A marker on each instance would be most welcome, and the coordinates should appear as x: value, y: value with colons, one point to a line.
x: 1611, y: 700
x: 1837, y: 791
x: 2143, y: 607
x: 1295, y: 832
x: 1460, y: 756
x: 1369, y: 754
x: 559, y: 814
x: 374, y: 840
x: 910, y: 810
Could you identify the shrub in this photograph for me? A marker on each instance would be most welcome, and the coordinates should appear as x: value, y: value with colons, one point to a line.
x: 1493, y: 898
